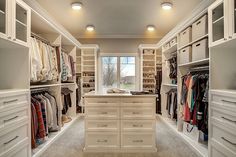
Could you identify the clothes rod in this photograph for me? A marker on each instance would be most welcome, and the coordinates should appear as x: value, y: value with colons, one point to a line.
x: 202, y: 68
x: 41, y: 38
x: 39, y: 89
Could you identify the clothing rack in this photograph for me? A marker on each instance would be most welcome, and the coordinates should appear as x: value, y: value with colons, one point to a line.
x: 202, y: 68
x: 41, y: 39
x: 35, y: 90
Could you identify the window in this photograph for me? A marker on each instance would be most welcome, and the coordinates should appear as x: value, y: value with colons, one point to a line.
x: 118, y: 72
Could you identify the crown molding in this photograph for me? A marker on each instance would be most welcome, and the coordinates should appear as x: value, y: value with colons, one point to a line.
x: 200, y: 10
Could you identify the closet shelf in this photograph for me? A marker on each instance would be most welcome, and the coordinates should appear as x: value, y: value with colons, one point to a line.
x: 195, y: 63
x: 45, y: 85
x: 170, y: 85
x: 6, y: 91
x: 37, y: 152
x: 21, y: 23
x: 171, y: 49
x: 218, y: 20
x: 189, y: 44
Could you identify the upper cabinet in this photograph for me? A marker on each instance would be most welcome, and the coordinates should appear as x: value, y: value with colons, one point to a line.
x: 222, y: 21
x: 15, y: 21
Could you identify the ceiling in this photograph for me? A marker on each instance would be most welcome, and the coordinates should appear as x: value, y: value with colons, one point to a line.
x: 118, y: 18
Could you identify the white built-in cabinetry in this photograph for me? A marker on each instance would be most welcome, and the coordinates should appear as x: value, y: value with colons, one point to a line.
x: 222, y: 117
x: 89, y: 55
x: 15, y: 21
x: 222, y: 21
x: 149, y: 60
x: 120, y: 123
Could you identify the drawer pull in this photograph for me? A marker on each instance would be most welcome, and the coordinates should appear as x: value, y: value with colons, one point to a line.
x: 226, y: 101
x: 228, y: 119
x: 11, y: 101
x: 136, y: 112
x: 104, y: 113
x: 102, y: 141
x: 136, y: 102
x: 103, y: 125
x: 11, y: 140
x: 228, y: 141
x: 138, y: 126
x: 7, y: 120
x: 198, y: 45
x: 138, y: 141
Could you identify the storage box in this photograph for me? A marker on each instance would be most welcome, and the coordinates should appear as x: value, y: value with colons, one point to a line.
x: 199, y: 28
x: 191, y: 131
x: 173, y: 42
x: 166, y: 47
x: 200, y: 50
x: 185, y: 37
x: 185, y: 55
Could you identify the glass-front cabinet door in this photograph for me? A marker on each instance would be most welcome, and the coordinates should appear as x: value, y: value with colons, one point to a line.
x: 217, y: 23
x: 3, y: 18
x: 21, y: 22
x: 232, y: 19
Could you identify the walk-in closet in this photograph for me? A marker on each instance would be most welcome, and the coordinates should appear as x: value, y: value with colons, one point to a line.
x: 127, y: 78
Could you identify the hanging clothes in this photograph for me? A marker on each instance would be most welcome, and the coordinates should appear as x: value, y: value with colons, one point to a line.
x: 68, y: 67
x: 171, y: 105
x: 194, y: 98
x: 66, y: 99
x: 44, y: 117
x: 44, y: 63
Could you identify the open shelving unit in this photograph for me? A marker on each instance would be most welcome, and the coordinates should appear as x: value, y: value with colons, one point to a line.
x: 149, y: 70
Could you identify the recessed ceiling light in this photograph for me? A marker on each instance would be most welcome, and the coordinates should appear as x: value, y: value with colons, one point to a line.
x: 90, y: 28
x: 166, y: 5
x: 76, y: 5
x: 150, y: 28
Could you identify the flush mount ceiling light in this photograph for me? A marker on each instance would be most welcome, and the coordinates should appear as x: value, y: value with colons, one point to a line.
x: 76, y: 5
x: 166, y: 5
x: 90, y: 28
x: 150, y: 28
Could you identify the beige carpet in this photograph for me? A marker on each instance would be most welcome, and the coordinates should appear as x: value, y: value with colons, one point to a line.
x: 71, y: 144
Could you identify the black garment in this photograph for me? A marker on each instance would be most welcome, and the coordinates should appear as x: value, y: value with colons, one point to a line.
x: 67, y: 99
x: 158, y: 89
x: 172, y: 103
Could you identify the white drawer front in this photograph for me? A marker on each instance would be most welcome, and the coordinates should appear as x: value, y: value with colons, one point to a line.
x: 227, y: 101
x: 100, y: 139
x: 102, y: 125
x: 224, y: 135
x: 138, y: 125
x: 19, y: 150
x: 138, y: 100
x: 225, y: 116
x: 12, y: 117
x: 102, y: 102
x: 13, y: 101
x: 137, y: 140
x: 219, y: 150
x: 13, y: 137
x: 100, y: 113
x: 137, y: 113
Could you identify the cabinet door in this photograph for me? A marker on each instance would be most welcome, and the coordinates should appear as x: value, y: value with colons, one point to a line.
x: 232, y: 19
x: 218, y: 18
x: 21, y: 23
x: 4, y: 19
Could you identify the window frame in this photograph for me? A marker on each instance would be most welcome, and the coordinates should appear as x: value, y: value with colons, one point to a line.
x: 118, y: 55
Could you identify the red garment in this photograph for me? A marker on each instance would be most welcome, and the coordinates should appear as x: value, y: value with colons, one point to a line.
x: 33, y: 120
x: 187, y: 115
x: 41, y: 128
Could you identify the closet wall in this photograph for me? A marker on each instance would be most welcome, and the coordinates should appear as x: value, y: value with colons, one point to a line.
x: 186, y: 56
